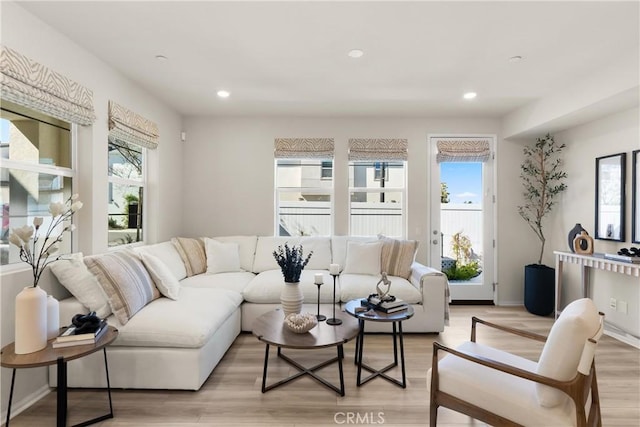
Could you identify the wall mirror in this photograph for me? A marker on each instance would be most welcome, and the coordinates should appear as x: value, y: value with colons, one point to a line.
x: 610, y: 177
x: 635, y: 199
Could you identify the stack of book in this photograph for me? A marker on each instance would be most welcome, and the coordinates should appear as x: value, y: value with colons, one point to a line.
x: 386, y: 306
x: 70, y: 337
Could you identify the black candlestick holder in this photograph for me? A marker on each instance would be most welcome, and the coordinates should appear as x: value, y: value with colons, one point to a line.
x: 319, y: 316
x: 333, y: 321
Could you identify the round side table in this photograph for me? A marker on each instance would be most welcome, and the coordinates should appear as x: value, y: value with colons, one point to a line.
x: 378, y: 316
x: 60, y: 357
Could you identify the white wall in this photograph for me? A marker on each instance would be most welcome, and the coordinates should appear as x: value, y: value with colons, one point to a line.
x: 31, y: 37
x: 618, y: 133
x: 229, y: 168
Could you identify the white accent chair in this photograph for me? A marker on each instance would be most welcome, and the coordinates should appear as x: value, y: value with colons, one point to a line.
x: 503, y: 389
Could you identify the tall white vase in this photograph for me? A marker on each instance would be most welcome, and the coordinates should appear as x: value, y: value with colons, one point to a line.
x: 53, y: 317
x: 31, y: 320
x: 291, y: 298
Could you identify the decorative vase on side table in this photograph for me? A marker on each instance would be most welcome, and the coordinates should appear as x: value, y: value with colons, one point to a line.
x: 31, y: 303
x: 291, y: 298
x: 31, y: 320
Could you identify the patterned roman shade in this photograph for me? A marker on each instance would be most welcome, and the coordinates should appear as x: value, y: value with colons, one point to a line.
x: 130, y: 127
x: 377, y: 149
x: 463, y: 150
x: 32, y: 85
x: 303, y: 148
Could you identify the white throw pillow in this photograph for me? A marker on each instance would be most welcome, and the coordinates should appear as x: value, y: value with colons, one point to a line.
x: 162, y: 276
x: 363, y: 258
x: 74, y: 275
x: 222, y: 257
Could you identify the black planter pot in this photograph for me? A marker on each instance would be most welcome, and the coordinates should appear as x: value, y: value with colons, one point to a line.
x: 539, y: 289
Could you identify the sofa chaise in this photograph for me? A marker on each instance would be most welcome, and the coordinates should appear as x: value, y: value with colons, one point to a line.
x: 217, y: 287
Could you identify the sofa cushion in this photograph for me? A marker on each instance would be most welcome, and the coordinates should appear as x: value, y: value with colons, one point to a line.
x: 362, y: 285
x: 192, y: 253
x: 246, y: 248
x: 321, y: 247
x: 162, y: 276
x: 397, y: 256
x: 561, y: 354
x: 339, y: 247
x: 221, y: 257
x: 267, y: 286
x: 235, y: 281
x: 189, y: 322
x: 124, y: 280
x: 265, y: 247
x: 168, y: 254
x: 363, y: 258
x: 73, y: 274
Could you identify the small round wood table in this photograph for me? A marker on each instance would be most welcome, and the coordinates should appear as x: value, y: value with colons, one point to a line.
x: 270, y: 329
x: 378, y: 316
x: 58, y: 356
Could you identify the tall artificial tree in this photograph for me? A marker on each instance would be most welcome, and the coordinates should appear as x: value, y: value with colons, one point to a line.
x: 543, y: 180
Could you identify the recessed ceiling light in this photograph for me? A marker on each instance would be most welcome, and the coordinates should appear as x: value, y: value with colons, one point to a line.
x: 516, y: 58
x: 161, y: 58
x: 223, y: 93
x: 469, y: 95
x: 356, y: 53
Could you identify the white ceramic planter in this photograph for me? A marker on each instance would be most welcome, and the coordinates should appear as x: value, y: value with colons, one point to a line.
x: 291, y: 298
x: 31, y: 320
x: 53, y: 317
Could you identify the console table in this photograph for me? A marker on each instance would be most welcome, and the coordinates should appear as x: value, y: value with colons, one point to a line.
x: 596, y: 261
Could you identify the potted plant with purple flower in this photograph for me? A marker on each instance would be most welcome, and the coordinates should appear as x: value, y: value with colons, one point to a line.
x: 292, y: 261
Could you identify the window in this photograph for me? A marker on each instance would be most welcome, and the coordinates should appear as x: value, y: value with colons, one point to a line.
x: 36, y: 170
x: 377, y: 198
x: 377, y: 177
x: 304, y: 193
x: 126, y: 191
x: 130, y: 136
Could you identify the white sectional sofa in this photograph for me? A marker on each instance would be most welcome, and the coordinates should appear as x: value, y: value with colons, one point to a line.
x: 176, y: 344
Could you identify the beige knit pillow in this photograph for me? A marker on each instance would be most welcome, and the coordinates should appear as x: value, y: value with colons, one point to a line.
x: 192, y: 253
x: 397, y: 256
x: 125, y: 282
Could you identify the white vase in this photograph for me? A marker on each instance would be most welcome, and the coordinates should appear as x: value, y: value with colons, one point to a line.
x: 53, y: 317
x: 291, y: 298
x: 31, y: 320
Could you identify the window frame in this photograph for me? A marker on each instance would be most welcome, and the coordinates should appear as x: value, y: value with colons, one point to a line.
x: 402, y: 190
x: 43, y: 168
x: 142, y: 183
x: 307, y: 190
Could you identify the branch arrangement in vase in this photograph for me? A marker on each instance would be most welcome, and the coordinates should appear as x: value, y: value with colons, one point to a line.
x: 291, y: 261
x: 26, y: 238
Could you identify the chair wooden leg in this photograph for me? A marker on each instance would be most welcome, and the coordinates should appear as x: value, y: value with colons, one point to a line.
x: 433, y: 414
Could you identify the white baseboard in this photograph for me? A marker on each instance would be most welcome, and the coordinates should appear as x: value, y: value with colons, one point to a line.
x: 621, y: 336
x: 19, y: 406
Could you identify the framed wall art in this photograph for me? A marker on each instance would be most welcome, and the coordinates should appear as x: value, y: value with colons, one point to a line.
x: 635, y: 197
x: 610, y: 191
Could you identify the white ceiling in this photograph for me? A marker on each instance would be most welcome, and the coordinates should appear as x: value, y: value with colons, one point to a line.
x: 290, y: 58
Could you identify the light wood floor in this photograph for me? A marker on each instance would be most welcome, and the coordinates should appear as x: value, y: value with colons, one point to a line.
x: 232, y: 397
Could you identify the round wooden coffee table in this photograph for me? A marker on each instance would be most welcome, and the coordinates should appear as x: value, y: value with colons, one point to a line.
x: 58, y: 356
x: 270, y: 329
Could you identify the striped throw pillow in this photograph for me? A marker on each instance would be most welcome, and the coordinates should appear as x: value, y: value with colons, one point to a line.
x: 125, y: 281
x: 397, y: 256
x: 192, y: 253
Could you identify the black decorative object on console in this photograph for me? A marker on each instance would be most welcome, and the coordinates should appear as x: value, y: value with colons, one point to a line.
x: 573, y: 233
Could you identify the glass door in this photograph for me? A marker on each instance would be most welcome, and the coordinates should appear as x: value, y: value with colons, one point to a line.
x: 462, y: 215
